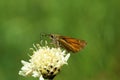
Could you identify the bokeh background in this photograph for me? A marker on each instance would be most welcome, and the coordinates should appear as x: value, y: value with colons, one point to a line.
x: 96, y: 21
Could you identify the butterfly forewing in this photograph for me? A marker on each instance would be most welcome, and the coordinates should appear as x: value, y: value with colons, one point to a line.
x: 71, y: 44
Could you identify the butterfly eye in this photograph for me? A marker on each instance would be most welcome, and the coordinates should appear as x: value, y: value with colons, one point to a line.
x: 51, y: 36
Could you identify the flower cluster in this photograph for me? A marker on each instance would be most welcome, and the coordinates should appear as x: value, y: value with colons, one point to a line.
x: 45, y: 62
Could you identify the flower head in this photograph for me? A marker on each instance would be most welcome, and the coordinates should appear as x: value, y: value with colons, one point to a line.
x: 45, y: 62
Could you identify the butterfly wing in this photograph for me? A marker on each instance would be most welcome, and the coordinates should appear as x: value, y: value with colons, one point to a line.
x: 71, y: 44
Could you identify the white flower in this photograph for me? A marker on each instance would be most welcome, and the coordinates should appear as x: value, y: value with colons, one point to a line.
x: 45, y: 62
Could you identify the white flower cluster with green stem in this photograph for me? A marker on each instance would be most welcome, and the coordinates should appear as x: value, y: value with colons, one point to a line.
x: 45, y: 62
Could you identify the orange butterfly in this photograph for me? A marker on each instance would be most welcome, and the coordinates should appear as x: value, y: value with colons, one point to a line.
x: 70, y: 44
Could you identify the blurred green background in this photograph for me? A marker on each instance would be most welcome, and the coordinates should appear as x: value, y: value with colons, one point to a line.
x: 96, y: 21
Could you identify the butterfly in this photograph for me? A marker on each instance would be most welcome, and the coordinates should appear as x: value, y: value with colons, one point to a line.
x: 70, y: 44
